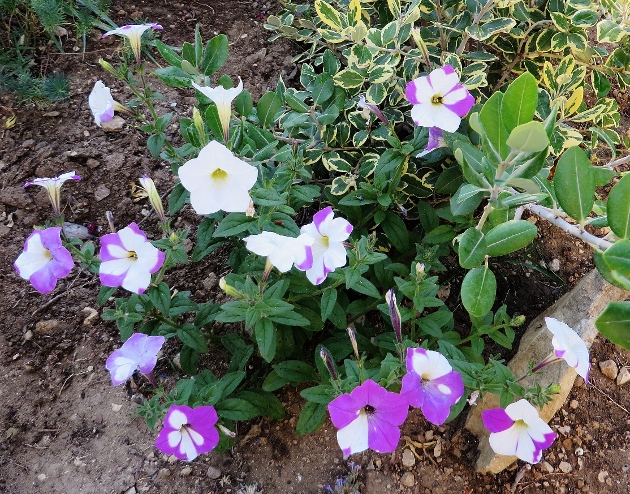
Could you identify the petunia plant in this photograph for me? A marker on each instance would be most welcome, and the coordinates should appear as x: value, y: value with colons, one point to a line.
x: 398, y: 160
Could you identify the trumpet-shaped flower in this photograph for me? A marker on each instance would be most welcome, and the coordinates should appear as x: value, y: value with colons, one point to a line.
x: 329, y: 253
x: 223, y: 99
x: 568, y: 346
x: 44, y: 260
x: 283, y: 252
x: 518, y: 431
x: 134, y: 33
x: 154, y: 197
x: 128, y: 259
x: 367, y: 108
x: 431, y: 384
x: 436, y: 140
x: 368, y: 417
x: 53, y: 187
x: 188, y: 432
x: 101, y: 103
x: 218, y: 180
x: 439, y: 100
x: 138, y: 353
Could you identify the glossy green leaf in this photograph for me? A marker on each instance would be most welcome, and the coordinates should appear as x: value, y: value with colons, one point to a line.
x: 472, y: 248
x: 295, y: 371
x: 479, y: 290
x: 519, y: 102
x: 268, y: 105
x: 312, y: 417
x: 618, y: 208
x: 614, y: 323
x: 328, y: 301
x: 348, y: 79
x: 266, y: 339
x: 574, y: 183
x: 491, y: 117
x: 215, y: 54
x: 509, y: 237
x: 530, y: 137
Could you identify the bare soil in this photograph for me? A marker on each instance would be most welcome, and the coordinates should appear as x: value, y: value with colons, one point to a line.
x: 65, y: 429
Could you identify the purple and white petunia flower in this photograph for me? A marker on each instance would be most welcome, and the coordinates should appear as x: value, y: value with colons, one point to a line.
x: 53, y: 187
x: 138, y: 353
x: 568, y: 346
x: 329, y: 252
x: 101, y: 103
x: 518, y: 431
x: 436, y: 140
x: 188, y: 432
x: 223, y: 99
x: 431, y: 384
x: 128, y: 259
x: 439, y: 100
x: 44, y: 259
x: 218, y: 180
x: 368, y: 417
x: 134, y: 33
x: 283, y: 252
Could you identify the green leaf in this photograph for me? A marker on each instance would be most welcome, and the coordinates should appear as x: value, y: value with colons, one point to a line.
x: 168, y: 53
x: 215, y: 54
x: 610, y: 32
x: 491, y: 28
x: 319, y: 394
x: 243, y: 103
x: 617, y: 258
x: 472, y: 248
x: 348, y: 79
x: 328, y: 15
x: 104, y: 293
x: 519, y: 102
x: 440, y: 235
x: 491, y: 118
x: 190, y: 336
x: 155, y: 143
x: 273, y: 382
x: 574, y: 183
x: 266, y: 339
x: 312, y: 417
x: 295, y: 371
x: 479, y: 290
x: 322, y: 88
x: 328, y: 301
x: 614, y: 323
x: 189, y: 360
x: 232, y: 224
x: 268, y: 106
x: 266, y: 403
x: 177, y: 199
x: 160, y: 297
x: 509, y: 237
x: 396, y: 231
x: 236, y: 409
x: 174, y: 76
x: 618, y: 208
x: 530, y: 137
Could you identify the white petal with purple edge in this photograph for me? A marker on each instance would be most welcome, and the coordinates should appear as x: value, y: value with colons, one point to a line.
x: 354, y: 437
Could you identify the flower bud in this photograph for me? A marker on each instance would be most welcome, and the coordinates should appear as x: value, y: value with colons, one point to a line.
x: 328, y: 362
x: 154, y: 197
x: 226, y: 431
x: 107, y: 66
x: 394, y: 314
x: 554, y: 389
x: 517, y: 320
x: 229, y: 290
x: 353, y: 340
x: 420, y: 270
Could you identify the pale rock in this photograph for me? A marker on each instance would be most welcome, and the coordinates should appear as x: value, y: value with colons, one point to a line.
x: 565, y: 467
x: 609, y: 369
x: 41, y: 477
x: 408, y: 480
x: 213, y: 473
x: 163, y: 473
x: 574, y: 404
x: 46, y: 327
x: 547, y: 466
x: 113, y: 125
x: 623, y: 377
x: 602, y: 476
x: 131, y: 490
x: 437, y: 451
x: 408, y: 459
x: 185, y: 472
x: 101, y: 192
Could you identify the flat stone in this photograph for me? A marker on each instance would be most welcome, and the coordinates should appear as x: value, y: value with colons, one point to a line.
x: 546, y: 466
x: 46, y: 327
x: 623, y: 377
x: 579, y: 308
x: 408, y: 459
x: 609, y: 369
x: 114, y: 125
x: 15, y: 196
x: 213, y: 473
x: 101, y: 192
x: 407, y: 479
x: 565, y: 467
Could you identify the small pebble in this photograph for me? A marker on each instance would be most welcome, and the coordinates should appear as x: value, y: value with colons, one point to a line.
x: 213, y: 473
x: 609, y: 369
x: 408, y: 459
x: 408, y: 480
x: 547, y: 466
x: 565, y: 467
x: 574, y: 404
x: 602, y: 476
x: 623, y: 377
x: 185, y: 472
x: 163, y: 473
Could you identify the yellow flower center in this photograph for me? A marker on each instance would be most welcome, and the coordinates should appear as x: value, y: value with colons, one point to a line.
x: 325, y: 241
x: 132, y: 255
x: 219, y: 174
x: 437, y: 99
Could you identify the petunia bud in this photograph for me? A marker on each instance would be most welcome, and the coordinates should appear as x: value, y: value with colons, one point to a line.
x: 353, y: 340
x: 107, y: 66
x: 154, y: 197
x: 394, y: 314
x: 229, y: 290
x: 198, y: 120
x: 420, y: 270
x: 328, y: 362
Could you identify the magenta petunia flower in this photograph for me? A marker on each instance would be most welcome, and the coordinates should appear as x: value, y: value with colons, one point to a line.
x: 128, y: 259
x: 283, y: 252
x: 439, y: 100
x: 518, y: 431
x: 329, y: 253
x: 134, y: 33
x: 53, y: 187
x: 44, y: 259
x: 138, y: 353
x: 188, y: 432
x: 368, y: 417
x: 431, y: 384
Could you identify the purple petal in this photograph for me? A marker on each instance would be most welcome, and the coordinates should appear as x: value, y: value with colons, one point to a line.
x: 462, y: 106
x: 383, y: 436
x: 412, y: 389
x: 107, y: 241
x: 44, y: 281
x: 439, y: 395
x: 496, y: 420
x: 540, y: 445
x: 51, y: 238
x: 448, y: 69
x: 320, y: 217
x: 410, y: 93
x: 344, y: 410
x: 410, y: 354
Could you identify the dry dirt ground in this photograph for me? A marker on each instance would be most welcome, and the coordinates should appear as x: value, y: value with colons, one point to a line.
x: 65, y: 429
